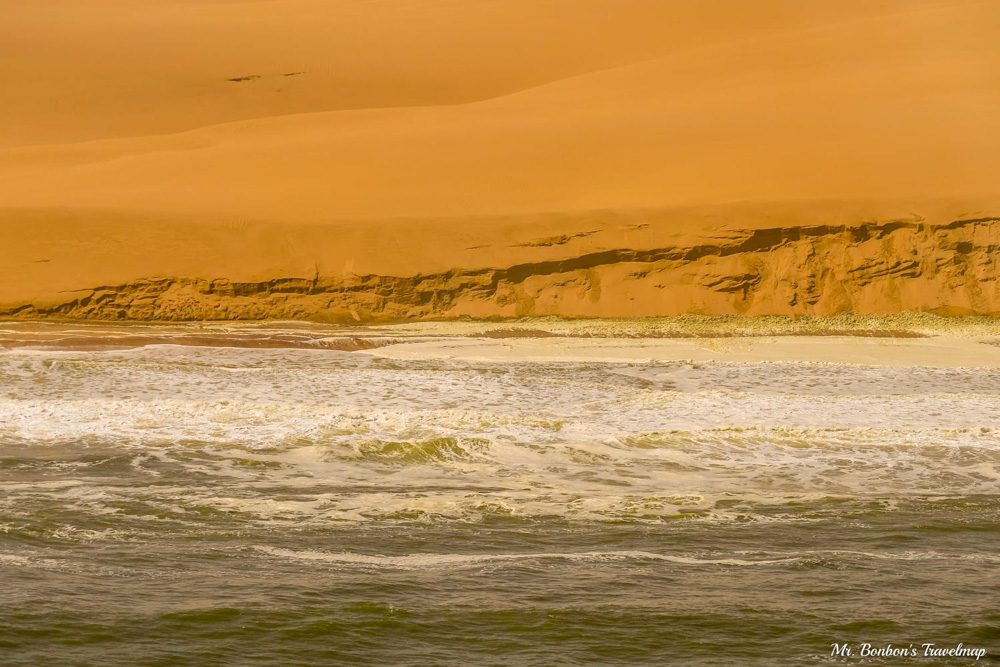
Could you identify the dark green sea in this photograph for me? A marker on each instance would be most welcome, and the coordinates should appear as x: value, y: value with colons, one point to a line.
x: 172, y: 505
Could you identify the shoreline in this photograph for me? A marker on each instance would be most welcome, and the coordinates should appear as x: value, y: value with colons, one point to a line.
x: 939, y: 352
x: 897, y: 325
x: 887, y: 341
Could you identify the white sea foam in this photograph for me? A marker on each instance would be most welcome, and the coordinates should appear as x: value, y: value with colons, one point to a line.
x: 431, y: 560
x: 358, y: 439
x: 426, y: 561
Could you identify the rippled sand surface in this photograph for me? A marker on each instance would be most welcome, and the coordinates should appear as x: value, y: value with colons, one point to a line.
x: 189, y: 504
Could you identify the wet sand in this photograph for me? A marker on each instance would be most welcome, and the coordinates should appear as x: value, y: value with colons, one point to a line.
x: 927, y: 341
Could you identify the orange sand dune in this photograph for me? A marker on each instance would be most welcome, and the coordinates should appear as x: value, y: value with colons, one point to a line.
x: 332, y: 156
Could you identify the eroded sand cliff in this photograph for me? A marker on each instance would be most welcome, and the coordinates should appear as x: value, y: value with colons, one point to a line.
x: 612, y: 266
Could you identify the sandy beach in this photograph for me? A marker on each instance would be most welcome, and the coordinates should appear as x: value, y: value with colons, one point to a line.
x: 936, y: 353
x: 919, y: 342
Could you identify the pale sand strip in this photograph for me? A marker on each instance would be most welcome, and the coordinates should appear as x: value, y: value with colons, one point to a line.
x: 941, y: 352
x: 875, y: 341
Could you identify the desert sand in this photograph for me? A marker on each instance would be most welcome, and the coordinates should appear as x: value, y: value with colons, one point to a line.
x: 352, y: 161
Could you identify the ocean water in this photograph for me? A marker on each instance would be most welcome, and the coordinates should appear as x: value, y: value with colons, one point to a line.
x: 184, y: 505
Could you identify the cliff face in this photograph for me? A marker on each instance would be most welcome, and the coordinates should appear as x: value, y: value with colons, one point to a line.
x: 873, y: 267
